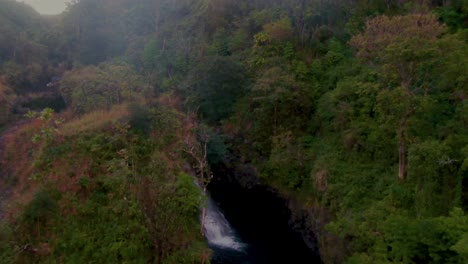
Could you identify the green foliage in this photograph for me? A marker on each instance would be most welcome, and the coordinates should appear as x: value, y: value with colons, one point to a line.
x: 462, y: 247
x: 112, y: 234
x: 215, y: 86
x: 92, y: 88
x: 140, y: 118
x: 351, y: 111
x: 188, y: 197
x: 150, y: 55
x: 279, y: 103
x: 428, y: 240
x: 129, y: 203
x: 216, y: 148
x: 321, y: 122
x: 454, y: 14
x: 435, y: 174
x: 220, y: 45
x: 24, y: 77
x: 7, y: 249
x: 20, y: 26
x: 7, y: 96
x: 286, y: 163
x: 91, y: 32
x: 193, y: 254
x: 40, y: 209
x: 240, y: 40
x: 104, y: 230
x: 279, y: 31
x: 48, y: 126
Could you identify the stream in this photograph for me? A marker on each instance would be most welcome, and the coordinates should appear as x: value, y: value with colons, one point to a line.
x: 251, y: 227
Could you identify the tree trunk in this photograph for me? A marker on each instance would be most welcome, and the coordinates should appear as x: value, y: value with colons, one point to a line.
x: 156, y: 17
x: 402, y: 155
x: 202, y: 230
x: 402, y: 148
x: 199, y: 154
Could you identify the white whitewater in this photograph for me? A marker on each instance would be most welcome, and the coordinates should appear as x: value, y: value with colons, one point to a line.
x: 218, y: 232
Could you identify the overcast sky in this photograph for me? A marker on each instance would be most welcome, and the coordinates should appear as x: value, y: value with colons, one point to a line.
x: 47, y: 7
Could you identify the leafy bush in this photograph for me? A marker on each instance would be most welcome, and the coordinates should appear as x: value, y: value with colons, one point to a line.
x: 40, y: 209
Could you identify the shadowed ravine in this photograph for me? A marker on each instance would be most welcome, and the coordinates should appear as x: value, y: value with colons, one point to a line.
x: 251, y: 226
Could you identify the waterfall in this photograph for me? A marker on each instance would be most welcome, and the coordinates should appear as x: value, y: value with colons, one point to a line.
x: 218, y: 232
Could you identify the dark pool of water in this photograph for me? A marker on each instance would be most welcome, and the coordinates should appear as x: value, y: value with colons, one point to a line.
x: 261, y: 222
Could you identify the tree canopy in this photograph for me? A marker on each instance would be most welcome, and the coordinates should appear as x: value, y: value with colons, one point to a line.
x: 354, y: 110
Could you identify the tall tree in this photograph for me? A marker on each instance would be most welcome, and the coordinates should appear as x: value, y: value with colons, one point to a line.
x: 402, y: 48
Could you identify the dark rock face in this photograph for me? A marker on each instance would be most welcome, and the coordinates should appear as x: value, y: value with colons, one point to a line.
x: 301, y: 221
x: 262, y: 218
x: 246, y: 176
x: 310, y: 222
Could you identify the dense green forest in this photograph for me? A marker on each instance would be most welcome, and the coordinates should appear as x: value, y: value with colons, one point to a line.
x: 355, y: 111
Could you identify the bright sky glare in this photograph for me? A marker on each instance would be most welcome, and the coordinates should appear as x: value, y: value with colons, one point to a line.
x: 47, y: 7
